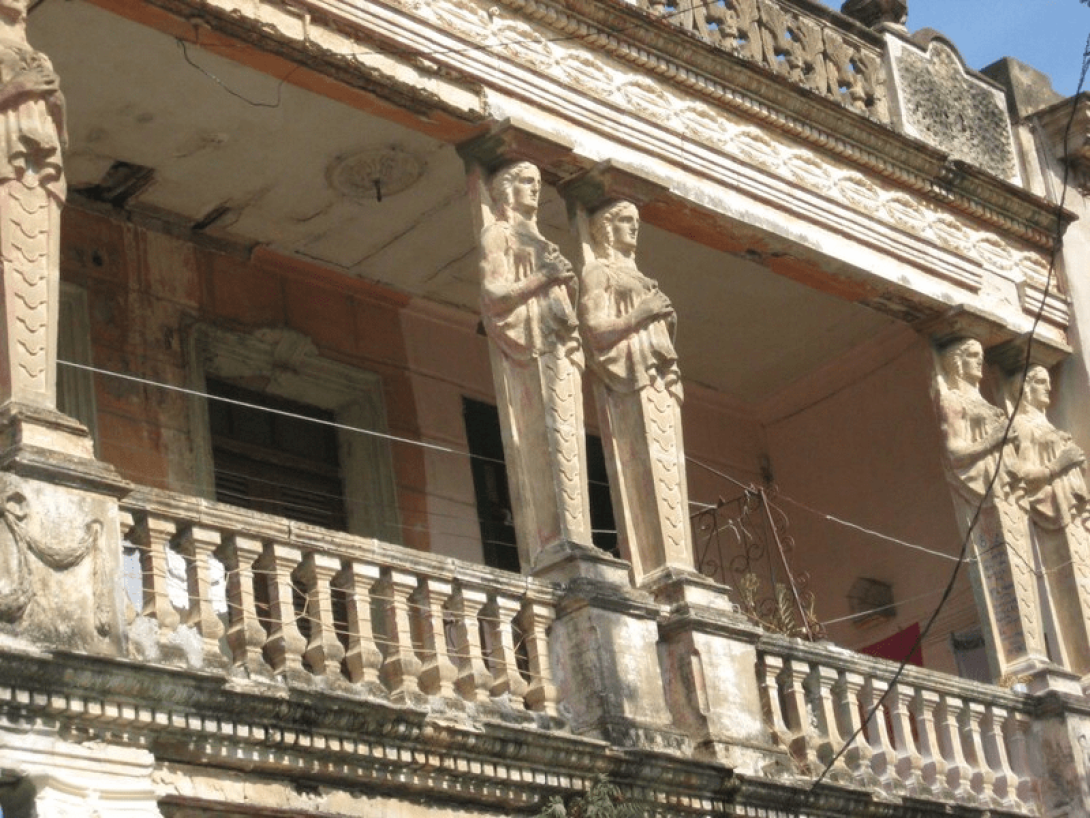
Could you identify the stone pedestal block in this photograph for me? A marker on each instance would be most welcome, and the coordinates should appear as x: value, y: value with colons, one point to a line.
x: 60, y: 544
x: 1058, y: 750
x: 603, y: 646
x: 709, y: 659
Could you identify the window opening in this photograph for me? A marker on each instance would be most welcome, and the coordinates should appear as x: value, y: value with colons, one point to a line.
x: 494, y: 498
x: 269, y: 462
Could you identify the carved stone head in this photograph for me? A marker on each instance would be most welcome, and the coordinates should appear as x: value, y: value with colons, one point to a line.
x: 615, y: 227
x: 963, y: 361
x: 1038, y: 389
x: 515, y: 187
x: 874, y: 12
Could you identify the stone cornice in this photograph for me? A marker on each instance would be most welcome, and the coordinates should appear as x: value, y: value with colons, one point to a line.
x: 191, y: 717
x: 690, y: 62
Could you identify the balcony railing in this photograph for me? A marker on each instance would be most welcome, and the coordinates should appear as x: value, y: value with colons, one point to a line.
x: 275, y: 602
x: 933, y: 736
x: 264, y: 598
x: 794, y: 42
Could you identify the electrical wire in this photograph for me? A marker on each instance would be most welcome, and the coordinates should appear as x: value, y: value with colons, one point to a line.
x: 990, y: 487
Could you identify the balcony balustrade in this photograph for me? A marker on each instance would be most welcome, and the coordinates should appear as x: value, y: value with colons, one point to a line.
x: 793, y: 40
x: 266, y: 598
x: 932, y: 736
x: 282, y: 603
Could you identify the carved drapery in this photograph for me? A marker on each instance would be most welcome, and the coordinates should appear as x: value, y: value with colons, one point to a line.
x: 32, y: 191
x: 528, y: 297
x: 628, y: 326
x: 1031, y: 534
x: 1048, y: 485
x: 1002, y: 566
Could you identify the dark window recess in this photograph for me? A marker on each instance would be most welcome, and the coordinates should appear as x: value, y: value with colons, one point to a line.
x: 494, y: 498
x: 270, y: 462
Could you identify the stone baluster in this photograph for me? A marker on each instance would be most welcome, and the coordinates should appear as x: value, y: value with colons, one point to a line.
x: 1017, y: 727
x: 286, y: 643
x: 769, y: 668
x: 363, y: 658
x: 535, y: 618
x: 947, y: 716
x: 908, y: 762
x: 822, y: 685
x: 933, y: 770
x: 981, y: 777
x: 882, y: 756
x: 846, y: 692
x: 995, y: 751
x: 153, y: 535
x: 438, y: 673
x: 324, y: 650
x: 401, y: 667
x: 797, y: 714
x: 198, y: 544
x: 506, y: 678
x: 245, y: 634
x: 473, y: 677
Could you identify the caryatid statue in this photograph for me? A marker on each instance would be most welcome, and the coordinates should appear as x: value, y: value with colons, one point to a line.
x: 628, y: 328
x: 1003, y: 569
x: 32, y: 191
x: 528, y: 302
x: 1047, y: 478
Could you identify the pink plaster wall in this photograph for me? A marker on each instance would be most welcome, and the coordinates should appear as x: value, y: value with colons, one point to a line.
x: 870, y: 453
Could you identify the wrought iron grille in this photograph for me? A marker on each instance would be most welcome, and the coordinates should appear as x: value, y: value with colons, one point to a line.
x: 744, y: 543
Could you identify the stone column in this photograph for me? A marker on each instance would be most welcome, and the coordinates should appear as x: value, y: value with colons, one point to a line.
x: 709, y: 654
x: 1003, y: 562
x: 1047, y: 480
x: 32, y: 192
x: 628, y: 326
x: 604, y: 646
x: 59, y: 531
x: 528, y: 306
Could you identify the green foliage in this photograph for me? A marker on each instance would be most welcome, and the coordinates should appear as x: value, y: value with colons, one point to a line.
x: 602, y: 800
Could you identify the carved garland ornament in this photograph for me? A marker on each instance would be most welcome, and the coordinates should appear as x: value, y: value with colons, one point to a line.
x: 16, y: 542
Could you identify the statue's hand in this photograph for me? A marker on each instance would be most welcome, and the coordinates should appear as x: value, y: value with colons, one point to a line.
x: 660, y: 305
x: 1070, y: 457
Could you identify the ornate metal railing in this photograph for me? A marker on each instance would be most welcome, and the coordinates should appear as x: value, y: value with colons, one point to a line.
x: 788, y: 38
x: 268, y: 599
x: 932, y: 736
x: 744, y: 543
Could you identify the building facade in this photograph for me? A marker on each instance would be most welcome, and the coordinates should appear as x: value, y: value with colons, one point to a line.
x: 430, y: 408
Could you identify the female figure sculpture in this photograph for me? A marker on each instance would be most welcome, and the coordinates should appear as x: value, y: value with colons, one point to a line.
x: 32, y: 191
x: 628, y: 326
x: 528, y: 296
x: 1047, y: 478
x: 1048, y: 466
x: 973, y: 429
x: 1002, y: 571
